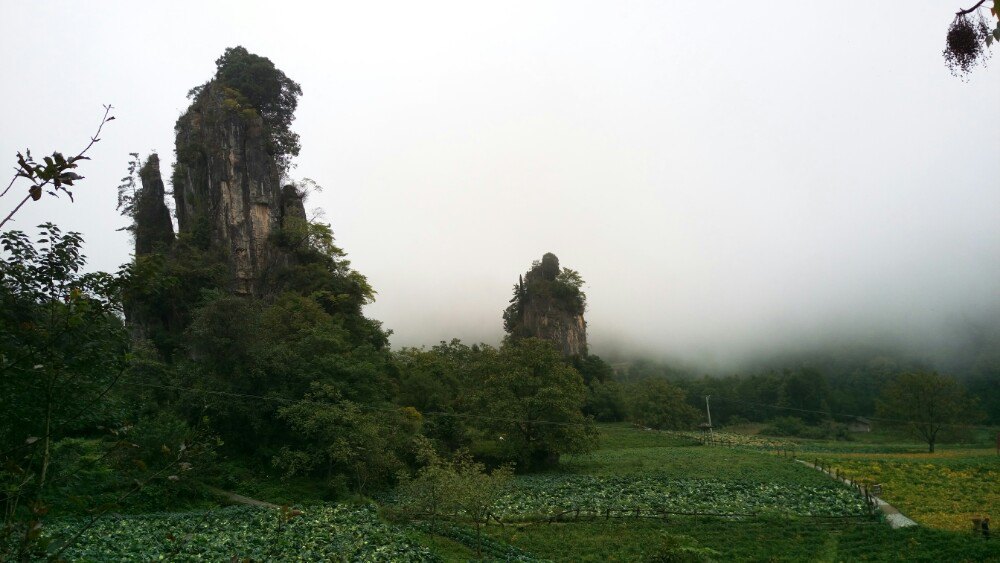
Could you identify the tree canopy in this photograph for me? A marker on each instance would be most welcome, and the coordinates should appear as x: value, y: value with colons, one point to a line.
x: 256, y: 82
x: 926, y: 403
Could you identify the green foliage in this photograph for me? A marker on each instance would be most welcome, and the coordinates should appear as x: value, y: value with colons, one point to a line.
x: 548, y: 268
x: 536, y: 496
x: 770, y: 539
x: 334, y: 436
x: 62, y: 344
x: 161, y: 291
x: 520, y: 403
x: 925, y: 403
x: 266, y: 89
x: 810, y: 393
x: 261, y: 355
x: 321, y: 270
x: 794, y: 427
x: 54, y: 175
x: 153, y: 465
x: 316, y: 533
x: 455, y: 488
x: 534, y: 401
x: 63, y: 357
x: 128, y: 189
x: 431, y: 493
x: 593, y: 369
x: 568, y: 288
x: 679, y: 549
x: 606, y: 402
x: 654, y: 403
x: 483, y: 546
x: 433, y: 381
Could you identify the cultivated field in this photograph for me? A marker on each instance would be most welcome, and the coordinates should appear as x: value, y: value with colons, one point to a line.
x: 944, y: 490
x: 642, y: 495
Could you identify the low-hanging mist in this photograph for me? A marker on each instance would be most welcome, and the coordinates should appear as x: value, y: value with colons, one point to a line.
x: 723, y: 195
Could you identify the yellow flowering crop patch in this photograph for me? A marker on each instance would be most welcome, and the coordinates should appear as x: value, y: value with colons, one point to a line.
x: 943, y: 490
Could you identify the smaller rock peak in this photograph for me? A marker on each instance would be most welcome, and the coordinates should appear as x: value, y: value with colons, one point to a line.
x: 549, y: 303
x: 153, y: 226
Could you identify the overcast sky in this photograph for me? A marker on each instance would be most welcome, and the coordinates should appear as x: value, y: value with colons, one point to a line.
x: 728, y: 177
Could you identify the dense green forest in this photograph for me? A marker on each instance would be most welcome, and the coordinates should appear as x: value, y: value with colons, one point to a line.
x: 136, y: 390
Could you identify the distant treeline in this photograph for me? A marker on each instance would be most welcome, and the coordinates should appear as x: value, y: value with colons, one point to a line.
x: 823, y: 386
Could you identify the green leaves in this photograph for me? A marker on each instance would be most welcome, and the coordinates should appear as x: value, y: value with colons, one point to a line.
x: 268, y: 90
x: 53, y: 175
x: 546, y: 495
x: 534, y: 401
x: 317, y: 533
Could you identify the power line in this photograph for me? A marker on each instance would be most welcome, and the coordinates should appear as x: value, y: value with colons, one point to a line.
x: 361, y: 406
x: 513, y: 420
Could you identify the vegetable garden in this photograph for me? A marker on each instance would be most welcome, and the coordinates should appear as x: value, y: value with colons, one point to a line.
x: 616, y: 496
x: 319, y: 533
x: 642, y: 495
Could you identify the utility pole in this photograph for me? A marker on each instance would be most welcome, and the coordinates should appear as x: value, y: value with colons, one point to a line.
x: 708, y: 411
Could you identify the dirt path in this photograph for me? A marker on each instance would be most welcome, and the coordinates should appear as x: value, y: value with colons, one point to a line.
x: 238, y: 499
x: 895, y: 518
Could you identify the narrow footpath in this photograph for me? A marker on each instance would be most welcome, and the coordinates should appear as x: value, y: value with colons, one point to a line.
x: 895, y: 518
x: 238, y: 499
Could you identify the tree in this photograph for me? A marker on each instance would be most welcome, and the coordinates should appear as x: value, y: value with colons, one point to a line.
x: 805, y: 390
x: 337, y: 436
x: 455, y: 488
x: 970, y: 38
x: 534, y: 402
x: 658, y: 404
x: 479, y: 491
x: 925, y: 403
x: 254, y: 81
x: 62, y: 349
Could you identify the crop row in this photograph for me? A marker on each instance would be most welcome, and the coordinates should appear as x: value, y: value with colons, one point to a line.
x: 319, y: 533
x: 618, y: 495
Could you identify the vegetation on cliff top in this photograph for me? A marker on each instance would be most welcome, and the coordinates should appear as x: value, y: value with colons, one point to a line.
x: 544, y: 281
x: 252, y: 83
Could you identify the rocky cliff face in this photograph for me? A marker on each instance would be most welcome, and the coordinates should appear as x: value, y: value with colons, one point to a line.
x: 549, y: 304
x: 153, y: 227
x: 227, y: 185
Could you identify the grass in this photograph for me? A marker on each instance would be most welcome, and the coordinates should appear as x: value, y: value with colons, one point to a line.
x: 445, y: 548
x: 764, y: 540
x: 693, y: 462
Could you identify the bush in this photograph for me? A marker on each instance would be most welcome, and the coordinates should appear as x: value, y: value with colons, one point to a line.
x: 795, y: 427
x: 784, y: 426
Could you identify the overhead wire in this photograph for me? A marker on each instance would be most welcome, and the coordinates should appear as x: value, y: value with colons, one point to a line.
x: 361, y: 406
x: 522, y: 421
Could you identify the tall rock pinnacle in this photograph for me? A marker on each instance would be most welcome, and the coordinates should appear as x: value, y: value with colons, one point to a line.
x: 548, y: 303
x: 152, y: 218
x: 231, y: 152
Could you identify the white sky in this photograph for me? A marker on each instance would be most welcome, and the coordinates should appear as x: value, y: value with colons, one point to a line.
x: 727, y: 176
